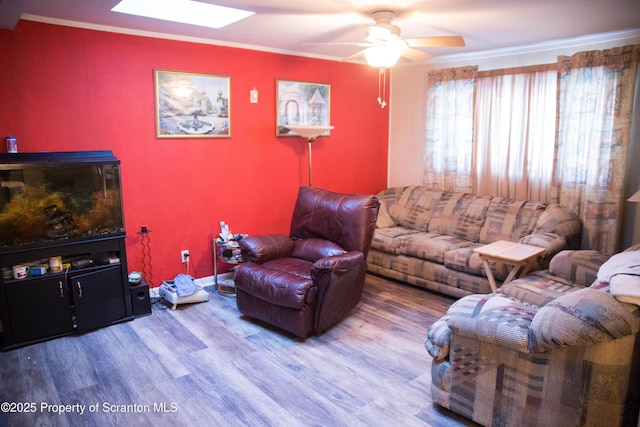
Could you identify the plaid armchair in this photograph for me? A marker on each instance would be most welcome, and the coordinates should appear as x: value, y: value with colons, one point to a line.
x: 546, y: 350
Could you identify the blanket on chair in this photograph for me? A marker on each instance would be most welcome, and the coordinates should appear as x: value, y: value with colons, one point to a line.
x: 622, y: 272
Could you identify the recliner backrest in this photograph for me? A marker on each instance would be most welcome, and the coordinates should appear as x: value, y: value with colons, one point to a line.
x: 346, y: 219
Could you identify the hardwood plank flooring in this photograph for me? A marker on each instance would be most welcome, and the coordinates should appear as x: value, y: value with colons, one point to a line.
x: 206, y: 364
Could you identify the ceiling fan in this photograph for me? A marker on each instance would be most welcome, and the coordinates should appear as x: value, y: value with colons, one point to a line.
x: 384, y: 45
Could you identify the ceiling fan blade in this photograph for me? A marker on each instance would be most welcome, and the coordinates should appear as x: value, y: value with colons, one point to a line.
x: 415, y: 55
x: 436, y: 41
x: 356, y: 55
x: 338, y: 44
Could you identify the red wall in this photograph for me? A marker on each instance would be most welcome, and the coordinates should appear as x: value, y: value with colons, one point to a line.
x: 66, y: 89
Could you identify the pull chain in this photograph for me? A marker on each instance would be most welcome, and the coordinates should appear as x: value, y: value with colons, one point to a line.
x: 382, y: 87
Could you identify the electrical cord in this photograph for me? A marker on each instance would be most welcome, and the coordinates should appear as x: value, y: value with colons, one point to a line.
x: 147, y: 270
x: 188, y: 267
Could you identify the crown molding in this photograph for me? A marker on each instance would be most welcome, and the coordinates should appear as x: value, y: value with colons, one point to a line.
x: 625, y: 37
x: 165, y: 36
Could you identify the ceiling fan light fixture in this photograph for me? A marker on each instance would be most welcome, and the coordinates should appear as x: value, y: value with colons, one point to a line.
x: 381, y: 33
x: 384, y: 55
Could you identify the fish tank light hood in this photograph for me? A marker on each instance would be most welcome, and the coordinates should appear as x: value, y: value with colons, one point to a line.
x: 59, y: 196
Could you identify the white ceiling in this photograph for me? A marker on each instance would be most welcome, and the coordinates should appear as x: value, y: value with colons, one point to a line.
x: 283, y: 26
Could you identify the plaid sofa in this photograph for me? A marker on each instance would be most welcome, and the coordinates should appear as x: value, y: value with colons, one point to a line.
x: 427, y: 238
x: 544, y: 350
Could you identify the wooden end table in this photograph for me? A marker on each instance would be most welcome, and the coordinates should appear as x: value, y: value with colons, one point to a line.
x: 517, y: 257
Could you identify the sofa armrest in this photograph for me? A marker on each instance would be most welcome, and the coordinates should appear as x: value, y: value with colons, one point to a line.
x: 553, y: 243
x: 438, y: 339
x: 560, y: 220
x: 577, y: 266
x: 585, y: 317
x: 260, y: 249
x: 493, y: 319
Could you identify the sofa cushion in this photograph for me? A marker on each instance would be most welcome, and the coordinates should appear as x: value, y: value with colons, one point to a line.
x: 460, y: 214
x: 538, y: 288
x: 577, y: 266
x: 510, y: 220
x: 389, y: 239
x: 430, y: 246
x: 291, y: 287
x: 386, y: 198
x: 384, y: 220
x: 414, y: 207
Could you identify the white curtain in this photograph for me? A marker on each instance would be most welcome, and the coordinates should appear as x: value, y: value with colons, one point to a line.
x: 515, y: 117
x: 449, y: 129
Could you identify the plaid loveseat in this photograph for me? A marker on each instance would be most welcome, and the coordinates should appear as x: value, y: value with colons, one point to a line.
x: 427, y: 238
x: 545, y: 350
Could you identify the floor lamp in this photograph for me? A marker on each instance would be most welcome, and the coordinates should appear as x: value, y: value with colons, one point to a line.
x: 310, y: 133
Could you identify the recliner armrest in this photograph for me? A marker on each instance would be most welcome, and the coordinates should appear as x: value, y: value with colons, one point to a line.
x: 337, y: 262
x: 315, y: 249
x: 260, y: 249
x: 339, y: 280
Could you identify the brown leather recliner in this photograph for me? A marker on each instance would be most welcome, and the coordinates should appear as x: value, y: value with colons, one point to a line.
x: 307, y: 282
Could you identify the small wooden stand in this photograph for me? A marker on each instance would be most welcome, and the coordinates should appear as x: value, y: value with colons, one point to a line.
x: 518, y: 257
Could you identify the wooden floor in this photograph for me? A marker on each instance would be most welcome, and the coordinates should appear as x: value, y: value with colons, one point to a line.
x: 205, y: 364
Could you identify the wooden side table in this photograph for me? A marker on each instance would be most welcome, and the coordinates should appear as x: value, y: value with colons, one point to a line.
x: 517, y: 257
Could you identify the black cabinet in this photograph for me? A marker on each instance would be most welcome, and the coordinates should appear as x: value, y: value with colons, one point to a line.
x: 68, y: 206
x: 71, y: 301
x: 97, y: 301
x: 38, y: 309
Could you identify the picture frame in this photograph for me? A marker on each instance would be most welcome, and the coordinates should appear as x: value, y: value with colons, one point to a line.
x: 301, y: 103
x: 192, y: 105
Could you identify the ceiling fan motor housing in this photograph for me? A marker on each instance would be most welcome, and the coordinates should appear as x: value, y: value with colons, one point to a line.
x: 383, y: 19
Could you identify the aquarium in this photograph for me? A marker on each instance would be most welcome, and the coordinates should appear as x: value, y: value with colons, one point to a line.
x: 48, y: 197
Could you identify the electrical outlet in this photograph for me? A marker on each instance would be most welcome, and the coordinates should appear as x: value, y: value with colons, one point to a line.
x: 185, y: 255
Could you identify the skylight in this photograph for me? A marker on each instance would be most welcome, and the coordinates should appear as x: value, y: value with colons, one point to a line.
x: 184, y: 11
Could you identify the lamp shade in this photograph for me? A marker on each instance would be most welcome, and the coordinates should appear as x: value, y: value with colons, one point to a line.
x: 309, y: 131
x: 635, y: 197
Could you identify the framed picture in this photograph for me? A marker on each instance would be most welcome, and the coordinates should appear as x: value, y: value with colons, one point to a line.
x: 301, y: 103
x: 192, y: 105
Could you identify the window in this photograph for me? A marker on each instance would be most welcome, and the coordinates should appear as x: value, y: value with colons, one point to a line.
x: 514, y: 122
